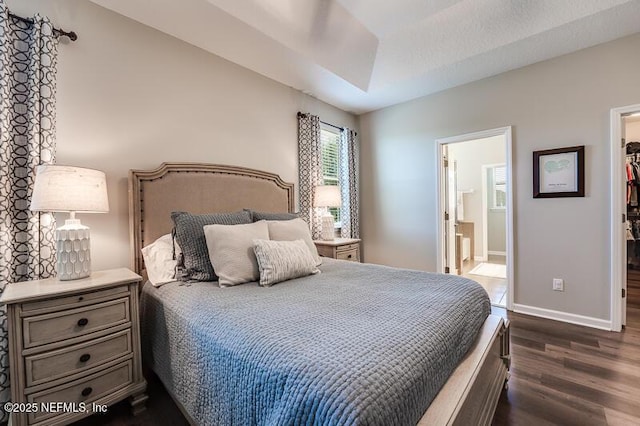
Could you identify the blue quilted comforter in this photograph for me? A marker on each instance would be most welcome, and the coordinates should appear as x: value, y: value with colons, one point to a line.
x: 357, y: 344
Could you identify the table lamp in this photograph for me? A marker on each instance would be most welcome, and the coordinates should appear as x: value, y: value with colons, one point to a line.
x: 327, y: 196
x: 73, y: 190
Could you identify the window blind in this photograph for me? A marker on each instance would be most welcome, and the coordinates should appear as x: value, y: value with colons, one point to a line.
x: 330, y: 156
x: 330, y: 142
x: 499, y: 187
x: 500, y: 175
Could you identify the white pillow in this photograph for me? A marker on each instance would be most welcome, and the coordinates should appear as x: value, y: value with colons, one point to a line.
x: 159, y: 261
x: 290, y: 230
x: 283, y: 260
x: 231, y: 251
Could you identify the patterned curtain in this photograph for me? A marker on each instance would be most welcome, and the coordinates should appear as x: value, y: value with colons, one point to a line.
x: 349, y: 211
x: 309, y: 169
x: 28, y: 54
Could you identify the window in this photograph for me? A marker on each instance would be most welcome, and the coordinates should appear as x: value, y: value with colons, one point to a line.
x: 330, y: 141
x: 499, y: 187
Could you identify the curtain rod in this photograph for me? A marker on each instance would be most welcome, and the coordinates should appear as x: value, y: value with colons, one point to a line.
x: 71, y: 34
x: 303, y: 114
x: 332, y: 125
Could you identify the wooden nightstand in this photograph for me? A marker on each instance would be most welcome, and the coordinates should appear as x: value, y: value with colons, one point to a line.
x: 75, y: 342
x: 340, y: 248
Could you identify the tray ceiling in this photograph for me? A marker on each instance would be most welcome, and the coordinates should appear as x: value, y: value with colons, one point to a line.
x: 362, y: 55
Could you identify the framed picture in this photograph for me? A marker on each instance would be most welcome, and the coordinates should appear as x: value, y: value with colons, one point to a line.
x: 558, y: 172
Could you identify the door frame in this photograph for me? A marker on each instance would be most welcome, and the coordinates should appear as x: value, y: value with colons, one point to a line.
x: 448, y: 193
x: 440, y: 201
x: 618, y: 261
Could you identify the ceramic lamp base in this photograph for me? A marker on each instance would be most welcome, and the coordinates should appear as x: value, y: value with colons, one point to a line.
x: 328, y: 228
x: 73, y: 246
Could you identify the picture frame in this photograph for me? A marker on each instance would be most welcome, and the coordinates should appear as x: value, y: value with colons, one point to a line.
x: 558, y: 172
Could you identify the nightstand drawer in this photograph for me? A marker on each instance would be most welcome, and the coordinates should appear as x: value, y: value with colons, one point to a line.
x: 74, y: 359
x: 70, y: 302
x: 85, y: 390
x: 348, y: 247
x: 48, y: 328
x: 348, y: 255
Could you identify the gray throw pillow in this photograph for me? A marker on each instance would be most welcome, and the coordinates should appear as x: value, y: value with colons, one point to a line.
x: 189, y: 234
x: 257, y: 216
x: 283, y: 260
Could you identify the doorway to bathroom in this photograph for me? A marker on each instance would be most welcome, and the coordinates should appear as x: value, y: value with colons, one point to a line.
x: 475, y: 210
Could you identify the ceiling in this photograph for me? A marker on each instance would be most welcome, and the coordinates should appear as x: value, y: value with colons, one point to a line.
x: 362, y: 55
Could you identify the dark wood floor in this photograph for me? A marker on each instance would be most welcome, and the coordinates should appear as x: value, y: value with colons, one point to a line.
x: 564, y: 374
x: 561, y: 374
x: 633, y: 298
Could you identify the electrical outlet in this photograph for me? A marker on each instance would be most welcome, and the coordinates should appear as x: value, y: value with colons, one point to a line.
x: 558, y: 284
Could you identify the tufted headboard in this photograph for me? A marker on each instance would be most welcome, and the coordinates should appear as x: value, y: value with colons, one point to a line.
x: 196, y: 188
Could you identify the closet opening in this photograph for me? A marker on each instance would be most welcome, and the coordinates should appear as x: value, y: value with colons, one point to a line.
x: 625, y: 217
x: 631, y: 135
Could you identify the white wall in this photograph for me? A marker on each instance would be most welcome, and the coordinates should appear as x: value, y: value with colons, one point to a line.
x: 556, y: 103
x: 496, y: 231
x: 470, y: 156
x: 132, y: 97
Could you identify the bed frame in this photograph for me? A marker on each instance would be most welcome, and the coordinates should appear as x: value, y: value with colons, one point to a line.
x: 470, y: 396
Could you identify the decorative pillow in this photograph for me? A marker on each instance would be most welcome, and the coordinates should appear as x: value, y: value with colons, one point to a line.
x: 190, y: 237
x: 256, y: 216
x: 231, y: 251
x: 295, y: 229
x: 283, y: 260
x: 159, y: 260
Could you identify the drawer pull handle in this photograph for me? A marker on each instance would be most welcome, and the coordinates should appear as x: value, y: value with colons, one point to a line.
x: 86, y: 391
x: 82, y: 322
x: 85, y: 357
x: 349, y: 256
x: 80, y: 299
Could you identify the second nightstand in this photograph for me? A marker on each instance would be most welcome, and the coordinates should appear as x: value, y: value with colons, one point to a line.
x: 340, y: 248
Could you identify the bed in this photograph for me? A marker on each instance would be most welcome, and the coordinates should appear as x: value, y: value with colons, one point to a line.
x: 355, y: 344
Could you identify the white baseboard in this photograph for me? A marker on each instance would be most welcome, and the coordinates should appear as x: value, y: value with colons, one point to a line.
x: 563, y: 316
x: 497, y: 253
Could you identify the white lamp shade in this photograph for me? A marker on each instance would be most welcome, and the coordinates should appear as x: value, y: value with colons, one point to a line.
x: 69, y: 189
x: 327, y: 196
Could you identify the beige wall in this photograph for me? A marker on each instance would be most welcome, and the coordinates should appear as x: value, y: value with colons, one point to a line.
x: 132, y: 97
x: 556, y: 103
